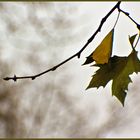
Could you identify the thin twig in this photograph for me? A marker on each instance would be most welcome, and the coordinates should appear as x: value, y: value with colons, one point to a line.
x: 78, y: 54
x: 138, y: 25
x: 127, y: 14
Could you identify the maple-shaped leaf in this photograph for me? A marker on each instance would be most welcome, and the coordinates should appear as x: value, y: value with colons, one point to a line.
x: 103, y: 52
x: 118, y: 70
x: 106, y: 72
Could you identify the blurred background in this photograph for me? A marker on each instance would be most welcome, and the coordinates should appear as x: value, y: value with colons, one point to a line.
x: 35, y: 36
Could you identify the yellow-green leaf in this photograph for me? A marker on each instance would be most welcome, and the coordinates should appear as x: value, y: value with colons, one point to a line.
x: 103, y: 52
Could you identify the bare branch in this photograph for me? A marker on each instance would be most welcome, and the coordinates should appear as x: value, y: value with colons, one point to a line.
x: 78, y: 54
x: 128, y: 15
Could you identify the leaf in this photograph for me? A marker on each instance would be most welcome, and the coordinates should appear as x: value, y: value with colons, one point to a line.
x: 132, y: 39
x: 89, y: 59
x: 106, y: 72
x: 117, y: 69
x: 103, y: 52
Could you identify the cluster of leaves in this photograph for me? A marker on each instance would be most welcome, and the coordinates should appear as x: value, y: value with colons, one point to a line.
x: 113, y: 68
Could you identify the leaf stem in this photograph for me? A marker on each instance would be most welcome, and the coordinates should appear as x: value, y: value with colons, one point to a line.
x: 137, y: 41
x: 117, y: 19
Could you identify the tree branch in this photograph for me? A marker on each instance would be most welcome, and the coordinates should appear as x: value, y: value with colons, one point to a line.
x: 127, y: 14
x: 78, y: 54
